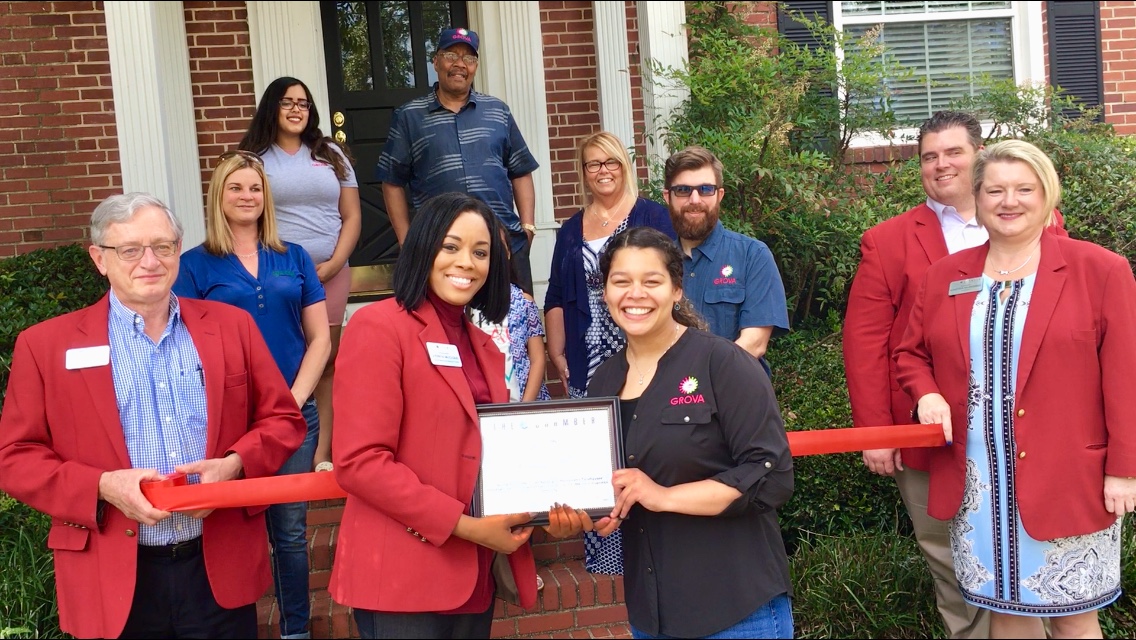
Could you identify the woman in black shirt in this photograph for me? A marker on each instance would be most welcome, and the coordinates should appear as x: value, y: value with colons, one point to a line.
x: 707, y: 460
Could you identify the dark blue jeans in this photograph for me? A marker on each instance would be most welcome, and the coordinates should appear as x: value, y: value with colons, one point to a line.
x: 287, y: 533
x: 774, y: 619
x: 380, y: 624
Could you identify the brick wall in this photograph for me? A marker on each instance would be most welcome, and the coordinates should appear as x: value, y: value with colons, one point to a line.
x: 568, y: 32
x: 58, y: 140
x: 1118, y: 49
x: 220, y: 69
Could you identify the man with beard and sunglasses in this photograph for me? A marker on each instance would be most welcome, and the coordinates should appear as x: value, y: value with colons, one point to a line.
x: 731, y: 279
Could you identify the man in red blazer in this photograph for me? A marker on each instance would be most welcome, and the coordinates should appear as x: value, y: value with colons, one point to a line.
x: 895, y: 255
x: 128, y: 390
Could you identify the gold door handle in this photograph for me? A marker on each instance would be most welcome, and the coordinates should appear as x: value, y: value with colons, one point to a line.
x: 340, y: 137
x: 337, y: 119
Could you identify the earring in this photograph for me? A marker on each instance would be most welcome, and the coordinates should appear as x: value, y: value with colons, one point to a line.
x: 677, y: 306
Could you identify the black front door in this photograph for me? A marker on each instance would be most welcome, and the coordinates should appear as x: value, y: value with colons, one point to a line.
x: 378, y: 57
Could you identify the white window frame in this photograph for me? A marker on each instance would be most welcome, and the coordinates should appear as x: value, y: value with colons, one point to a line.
x: 1025, y: 29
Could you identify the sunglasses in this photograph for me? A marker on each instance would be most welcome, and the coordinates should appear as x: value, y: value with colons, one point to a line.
x: 684, y: 190
x: 247, y: 155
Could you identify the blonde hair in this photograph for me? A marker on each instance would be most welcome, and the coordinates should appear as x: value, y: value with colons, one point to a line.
x: 218, y: 233
x: 1027, y: 154
x: 611, y: 145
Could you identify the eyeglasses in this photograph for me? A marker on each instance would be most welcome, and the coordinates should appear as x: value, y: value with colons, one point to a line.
x: 247, y: 155
x: 287, y: 104
x: 611, y: 164
x: 684, y: 190
x: 134, y: 252
x: 451, y: 57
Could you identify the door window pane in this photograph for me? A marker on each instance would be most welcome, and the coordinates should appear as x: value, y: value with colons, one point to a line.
x: 354, y: 46
x: 435, y: 17
x: 398, y: 51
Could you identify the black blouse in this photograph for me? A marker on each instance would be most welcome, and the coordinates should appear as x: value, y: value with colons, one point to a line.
x: 709, y: 412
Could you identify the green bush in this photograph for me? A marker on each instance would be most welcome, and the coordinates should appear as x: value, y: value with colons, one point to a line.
x: 835, y: 495
x: 34, y: 287
x: 40, y: 285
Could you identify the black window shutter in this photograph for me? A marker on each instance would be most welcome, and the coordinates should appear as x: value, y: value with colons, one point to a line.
x: 1075, y: 51
x: 794, y: 30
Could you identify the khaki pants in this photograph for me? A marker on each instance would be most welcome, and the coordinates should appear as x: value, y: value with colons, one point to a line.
x: 961, y: 619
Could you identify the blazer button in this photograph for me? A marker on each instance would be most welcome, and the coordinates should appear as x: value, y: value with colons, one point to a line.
x: 129, y: 533
x: 1022, y: 454
x: 409, y: 530
x: 631, y: 458
x: 1021, y: 412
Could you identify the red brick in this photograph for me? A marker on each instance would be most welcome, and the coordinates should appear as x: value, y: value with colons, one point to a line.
x: 545, y: 622
x: 601, y: 615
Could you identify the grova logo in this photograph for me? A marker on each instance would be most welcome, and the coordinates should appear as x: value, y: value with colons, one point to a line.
x: 687, y: 387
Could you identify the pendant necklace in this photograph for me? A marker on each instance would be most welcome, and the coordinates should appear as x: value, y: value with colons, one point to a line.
x: 1006, y: 272
x: 636, y: 363
x: 606, y: 219
x: 247, y: 255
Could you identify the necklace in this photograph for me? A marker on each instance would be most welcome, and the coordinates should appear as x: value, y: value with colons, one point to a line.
x: 636, y: 363
x: 606, y: 219
x: 1006, y: 272
x: 247, y: 255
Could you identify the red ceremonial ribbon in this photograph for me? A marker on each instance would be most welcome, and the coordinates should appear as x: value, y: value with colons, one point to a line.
x: 173, y: 494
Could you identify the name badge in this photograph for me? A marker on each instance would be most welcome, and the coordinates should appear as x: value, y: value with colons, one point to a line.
x: 444, y: 355
x: 970, y: 285
x: 87, y: 357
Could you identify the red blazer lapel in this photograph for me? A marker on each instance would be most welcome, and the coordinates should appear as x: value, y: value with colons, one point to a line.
x: 1046, y: 291
x: 964, y: 302
x: 95, y: 330
x: 929, y: 233
x: 211, y: 349
x: 432, y: 331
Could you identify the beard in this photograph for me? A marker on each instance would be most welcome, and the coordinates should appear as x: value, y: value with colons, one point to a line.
x: 694, y: 230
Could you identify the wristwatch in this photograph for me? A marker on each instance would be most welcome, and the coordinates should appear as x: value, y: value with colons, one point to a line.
x: 528, y: 227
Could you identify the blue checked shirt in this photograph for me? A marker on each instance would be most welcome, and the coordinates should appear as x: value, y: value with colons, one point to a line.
x: 160, y: 391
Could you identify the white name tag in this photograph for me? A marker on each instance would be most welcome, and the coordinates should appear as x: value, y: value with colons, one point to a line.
x: 87, y: 357
x: 444, y: 355
x: 970, y: 285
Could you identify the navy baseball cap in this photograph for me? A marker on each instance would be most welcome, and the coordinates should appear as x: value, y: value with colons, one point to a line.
x: 450, y: 37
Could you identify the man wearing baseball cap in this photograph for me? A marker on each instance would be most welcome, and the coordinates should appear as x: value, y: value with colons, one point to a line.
x: 456, y: 139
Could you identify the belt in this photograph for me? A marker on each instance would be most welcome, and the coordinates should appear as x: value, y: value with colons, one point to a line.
x: 186, y: 549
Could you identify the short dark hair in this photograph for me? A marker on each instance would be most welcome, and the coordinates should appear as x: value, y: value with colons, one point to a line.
x: 942, y: 120
x: 691, y: 159
x: 652, y: 238
x: 265, y: 125
x: 423, y: 242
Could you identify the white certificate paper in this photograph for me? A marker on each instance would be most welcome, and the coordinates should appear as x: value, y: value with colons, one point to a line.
x: 537, y: 454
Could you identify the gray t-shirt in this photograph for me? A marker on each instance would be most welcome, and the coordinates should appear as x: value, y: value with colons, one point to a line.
x: 306, y: 195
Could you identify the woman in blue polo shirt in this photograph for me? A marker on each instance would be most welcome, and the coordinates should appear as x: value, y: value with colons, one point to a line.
x: 244, y: 263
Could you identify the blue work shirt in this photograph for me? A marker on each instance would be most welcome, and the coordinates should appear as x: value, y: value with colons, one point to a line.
x: 477, y: 151
x: 733, y: 281
x: 159, y: 388
x: 285, y: 283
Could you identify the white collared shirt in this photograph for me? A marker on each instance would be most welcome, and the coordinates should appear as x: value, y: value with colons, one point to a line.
x: 959, y: 234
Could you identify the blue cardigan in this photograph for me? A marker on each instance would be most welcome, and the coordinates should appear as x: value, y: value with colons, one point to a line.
x: 566, y: 286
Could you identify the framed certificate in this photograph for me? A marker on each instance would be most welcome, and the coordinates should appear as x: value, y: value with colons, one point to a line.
x: 534, y: 454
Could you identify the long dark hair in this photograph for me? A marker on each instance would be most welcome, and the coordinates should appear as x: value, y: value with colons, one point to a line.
x: 652, y: 238
x: 423, y: 242
x: 265, y: 125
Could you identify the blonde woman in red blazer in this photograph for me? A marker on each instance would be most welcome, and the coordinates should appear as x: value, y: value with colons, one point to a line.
x: 411, y: 560
x: 1022, y: 349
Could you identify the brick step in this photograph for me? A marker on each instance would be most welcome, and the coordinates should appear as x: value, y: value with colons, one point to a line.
x: 573, y: 604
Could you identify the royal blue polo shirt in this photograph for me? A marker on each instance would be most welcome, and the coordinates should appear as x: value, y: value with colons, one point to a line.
x: 733, y: 281
x: 285, y: 284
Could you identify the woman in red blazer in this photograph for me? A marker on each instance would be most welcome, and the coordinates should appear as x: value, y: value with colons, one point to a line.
x: 411, y: 560
x: 1021, y: 349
